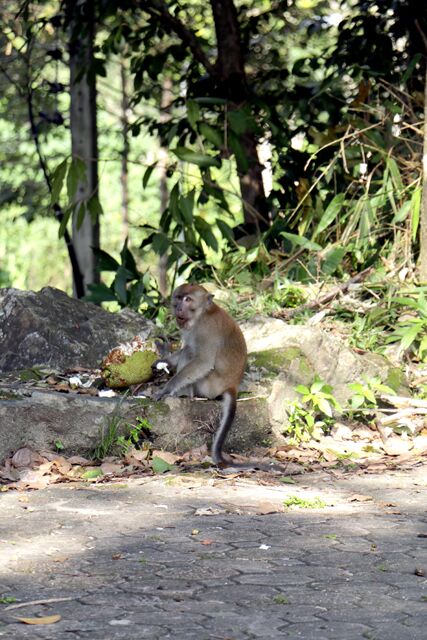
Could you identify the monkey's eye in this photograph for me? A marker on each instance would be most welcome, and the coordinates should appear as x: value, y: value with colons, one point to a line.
x: 187, y: 299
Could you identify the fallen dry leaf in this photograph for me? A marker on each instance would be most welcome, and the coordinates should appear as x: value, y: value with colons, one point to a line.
x: 79, y: 460
x: 359, y: 497
x: 168, y: 457
x: 43, y: 620
x: 33, y: 479
x: 111, y: 469
x: 265, y: 508
x: 60, y: 559
x: 26, y: 457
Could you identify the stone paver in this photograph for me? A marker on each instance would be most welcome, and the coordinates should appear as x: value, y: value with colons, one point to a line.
x: 189, y: 557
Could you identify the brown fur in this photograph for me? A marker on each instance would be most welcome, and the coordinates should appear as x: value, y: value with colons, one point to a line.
x: 213, y: 357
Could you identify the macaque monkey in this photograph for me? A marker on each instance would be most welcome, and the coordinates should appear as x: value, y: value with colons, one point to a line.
x: 213, y: 357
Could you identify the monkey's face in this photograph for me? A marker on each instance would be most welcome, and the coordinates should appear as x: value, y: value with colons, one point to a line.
x: 189, y: 302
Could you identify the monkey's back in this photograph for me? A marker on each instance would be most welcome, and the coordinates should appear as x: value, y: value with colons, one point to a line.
x: 224, y: 345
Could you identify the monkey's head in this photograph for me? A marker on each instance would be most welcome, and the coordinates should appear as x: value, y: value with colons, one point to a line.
x: 189, y: 302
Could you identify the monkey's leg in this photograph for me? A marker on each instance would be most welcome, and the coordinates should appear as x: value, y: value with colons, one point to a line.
x: 227, y: 417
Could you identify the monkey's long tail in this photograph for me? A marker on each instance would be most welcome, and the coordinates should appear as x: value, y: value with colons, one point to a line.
x: 228, y: 412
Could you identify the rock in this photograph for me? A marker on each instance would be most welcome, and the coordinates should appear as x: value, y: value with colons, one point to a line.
x: 294, y: 354
x: 395, y: 446
x: 37, y: 419
x: 48, y: 328
x: 341, y: 432
x: 420, y: 444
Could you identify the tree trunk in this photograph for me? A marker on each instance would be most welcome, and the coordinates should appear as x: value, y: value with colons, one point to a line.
x: 232, y: 78
x: 124, y: 173
x: 84, y: 136
x: 164, y: 191
x: 422, y: 265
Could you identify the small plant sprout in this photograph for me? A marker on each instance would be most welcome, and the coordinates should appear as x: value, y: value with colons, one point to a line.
x: 315, y: 409
x: 304, y: 503
x: 364, y: 395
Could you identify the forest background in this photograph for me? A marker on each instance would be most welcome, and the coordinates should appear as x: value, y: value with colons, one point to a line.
x: 274, y: 148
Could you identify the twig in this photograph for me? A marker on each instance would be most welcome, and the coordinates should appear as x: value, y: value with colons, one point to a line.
x: 315, y: 304
x: 403, y: 413
x: 33, y: 602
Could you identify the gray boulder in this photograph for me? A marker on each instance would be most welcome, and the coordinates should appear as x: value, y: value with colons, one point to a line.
x: 48, y: 328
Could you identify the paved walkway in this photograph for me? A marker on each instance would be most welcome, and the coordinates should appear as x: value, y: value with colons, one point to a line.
x: 189, y: 558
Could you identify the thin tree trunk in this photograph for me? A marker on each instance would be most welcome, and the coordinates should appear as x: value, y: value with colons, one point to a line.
x: 84, y: 136
x: 124, y: 173
x: 231, y: 74
x: 422, y: 265
x: 164, y: 191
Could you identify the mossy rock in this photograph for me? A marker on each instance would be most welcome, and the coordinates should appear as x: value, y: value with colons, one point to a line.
x: 275, y: 361
x: 134, y: 369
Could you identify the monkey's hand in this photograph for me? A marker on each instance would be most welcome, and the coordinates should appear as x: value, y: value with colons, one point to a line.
x: 163, y: 393
x: 161, y: 366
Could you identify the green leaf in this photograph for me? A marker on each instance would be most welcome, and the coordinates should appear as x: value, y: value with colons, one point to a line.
x: 200, y: 159
x: 410, y: 336
x: 160, y: 466
x: 99, y: 293
x: 65, y: 218
x: 58, y: 181
x: 76, y: 175
x: 147, y: 174
x: 357, y: 401
x: 160, y: 243
x: 94, y: 208
x: 325, y: 407
x: 212, y: 135
x: 119, y: 284
x: 104, y: 261
x: 225, y: 229
x: 193, y: 113
x: 300, y: 241
x: 91, y: 474
x: 205, y: 232
x: 186, y: 206
x: 416, y: 207
x: 302, y: 389
x: 402, y: 213
x: 331, y: 213
x: 395, y: 173
x: 240, y: 154
x: 80, y: 215
x: 173, y: 202
x: 240, y: 121
x: 333, y: 260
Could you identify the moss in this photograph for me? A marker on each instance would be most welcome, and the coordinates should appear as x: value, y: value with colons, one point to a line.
x: 8, y: 394
x: 396, y: 380
x: 277, y: 360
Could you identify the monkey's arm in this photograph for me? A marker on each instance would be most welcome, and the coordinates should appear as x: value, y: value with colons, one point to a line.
x: 192, y: 372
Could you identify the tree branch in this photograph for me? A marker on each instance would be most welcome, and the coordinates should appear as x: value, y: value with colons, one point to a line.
x: 159, y: 9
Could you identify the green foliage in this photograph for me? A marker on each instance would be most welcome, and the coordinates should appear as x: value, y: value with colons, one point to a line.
x: 7, y: 600
x: 111, y: 439
x: 365, y: 394
x: 136, y: 431
x: 319, y: 397
x: 412, y: 329
x: 304, y: 503
x: 315, y: 409
x: 107, y: 438
x: 129, y: 288
x: 160, y: 466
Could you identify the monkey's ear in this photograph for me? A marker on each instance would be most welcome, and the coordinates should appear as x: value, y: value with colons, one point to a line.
x: 209, y: 299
